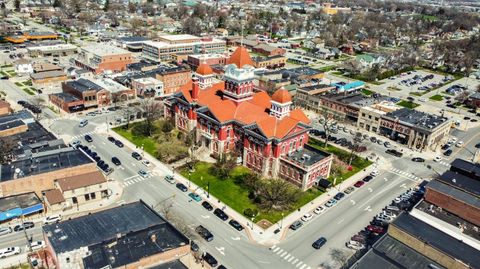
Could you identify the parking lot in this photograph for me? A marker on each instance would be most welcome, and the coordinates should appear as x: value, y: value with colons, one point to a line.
x: 416, y: 81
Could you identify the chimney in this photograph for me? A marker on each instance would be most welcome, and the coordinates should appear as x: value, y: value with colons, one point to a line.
x: 195, y: 89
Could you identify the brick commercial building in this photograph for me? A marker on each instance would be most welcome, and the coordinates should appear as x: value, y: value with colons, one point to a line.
x: 67, y: 102
x: 210, y: 59
x: 49, y: 77
x: 148, y: 87
x: 14, y: 124
x: 19, y: 205
x: 92, y: 94
x: 269, y: 51
x: 173, y: 79
x: 169, y: 47
x: 230, y: 118
x: 309, y: 97
x: 101, y: 58
x: 271, y: 62
x: 129, y: 236
x: 31, y: 36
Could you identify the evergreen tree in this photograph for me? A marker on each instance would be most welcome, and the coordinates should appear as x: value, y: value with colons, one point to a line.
x: 57, y: 3
x: 107, y: 5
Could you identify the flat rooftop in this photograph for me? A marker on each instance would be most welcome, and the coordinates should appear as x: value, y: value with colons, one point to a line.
x: 461, y: 182
x: 134, y: 246
x: 105, y: 50
x: 437, y: 239
x: 23, y: 200
x: 389, y: 253
x: 315, y: 87
x: 304, y: 71
x: 43, y: 162
x: 111, y: 85
x: 66, y: 97
x: 83, y: 85
x: 102, y: 226
x: 176, y: 264
x: 306, y: 156
x: 130, y: 39
x: 55, y: 47
x: 179, y: 37
x: 417, y: 118
x: 161, y: 44
x: 466, y: 168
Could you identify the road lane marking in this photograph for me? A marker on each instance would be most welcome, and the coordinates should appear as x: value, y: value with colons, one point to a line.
x: 403, y: 186
x: 274, y: 247
x: 221, y: 250
x: 277, y: 249
x: 303, y: 266
x: 386, y: 179
x: 236, y: 238
x: 377, y: 193
x: 205, y: 216
x: 368, y: 208
x: 370, y: 189
x: 353, y: 202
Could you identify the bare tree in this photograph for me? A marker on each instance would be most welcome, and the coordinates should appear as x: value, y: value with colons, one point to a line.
x: 6, y: 147
x: 357, y: 143
x: 339, y: 256
x: 152, y: 110
x: 39, y: 103
x: 328, y: 120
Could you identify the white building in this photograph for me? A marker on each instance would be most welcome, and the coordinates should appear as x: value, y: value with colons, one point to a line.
x: 148, y: 86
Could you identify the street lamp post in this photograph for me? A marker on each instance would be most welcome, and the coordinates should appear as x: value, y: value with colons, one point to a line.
x: 281, y: 222
x: 142, y: 149
x: 208, y: 189
x: 252, y: 218
x: 189, y: 175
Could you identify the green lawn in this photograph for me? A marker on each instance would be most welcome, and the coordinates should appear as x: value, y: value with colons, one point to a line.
x: 327, y: 68
x: 358, y: 163
x: 437, y: 97
x: 28, y: 83
x: 147, y: 142
x: 235, y: 196
x: 408, y: 104
x: 417, y: 93
x: 19, y: 84
x: 367, y: 92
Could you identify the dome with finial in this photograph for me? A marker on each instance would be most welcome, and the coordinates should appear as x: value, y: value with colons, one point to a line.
x: 282, y: 96
x: 204, y: 69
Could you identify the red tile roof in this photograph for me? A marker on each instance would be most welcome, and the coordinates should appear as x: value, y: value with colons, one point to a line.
x: 282, y: 96
x: 54, y: 196
x: 204, y: 69
x: 240, y: 57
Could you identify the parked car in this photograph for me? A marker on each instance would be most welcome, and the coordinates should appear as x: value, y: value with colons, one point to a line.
x: 319, y: 210
x: 25, y: 226
x: 5, y: 230
x: 459, y: 144
x: 448, y: 152
x: 235, y: 224
x: 116, y: 161
x: 319, y: 243
x: 119, y: 143
x: 207, y: 206
x: 349, y: 190
x: 331, y: 203
x: 170, y: 179
x: 359, y: 184
x: 296, y: 225
x: 204, y: 233
x: 195, y: 196
x: 210, y: 259
x: 111, y: 139
x: 147, y: 163
x: 36, y: 245
x: 307, y: 217
x: 367, y: 179
x: 375, y: 229
x: 52, y: 219
x: 220, y: 214
x: 193, y: 246
x: 339, y: 196
x: 83, y: 123
x: 355, y: 245
x: 7, y: 252
x: 181, y: 187
x: 374, y: 173
x: 88, y: 138
x: 136, y: 156
x: 437, y: 159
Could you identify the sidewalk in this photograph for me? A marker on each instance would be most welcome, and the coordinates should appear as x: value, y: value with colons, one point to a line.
x: 256, y: 234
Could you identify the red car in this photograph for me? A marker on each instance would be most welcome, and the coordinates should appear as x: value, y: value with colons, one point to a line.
x: 359, y: 183
x: 375, y: 229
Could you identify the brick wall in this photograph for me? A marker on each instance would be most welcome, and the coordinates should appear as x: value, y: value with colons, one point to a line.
x: 456, y: 207
x: 425, y: 249
x: 12, y: 131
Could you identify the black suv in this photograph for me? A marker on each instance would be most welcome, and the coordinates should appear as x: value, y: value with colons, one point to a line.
x: 394, y: 152
x: 235, y: 225
x: 210, y: 260
x: 220, y: 214
x: 88, y: 138
x: 119, y: 143
x: 448, y: 152
x: 339, y: 196
x: 207, y: 206
x: 116, y: 161
x: 204, y: 233
x: 111, y: 139
x: 26, y: 225
x: 136, y: 156
x: 181, y: 187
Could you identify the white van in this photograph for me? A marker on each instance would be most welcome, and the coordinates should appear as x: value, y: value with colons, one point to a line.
x: 83, y: 123
x: 7, y: 252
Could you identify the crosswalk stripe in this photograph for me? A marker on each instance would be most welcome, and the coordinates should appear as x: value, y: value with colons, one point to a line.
x: 274, y: 247
x: 281, y: 250
x: 303, y: 266
x: 284, y: 253
x: 308, y: 267
x: 288, y: 256
x: 295, y: 261
x: 299, y: 263
x: 291, y: 258
x: 136, y: 179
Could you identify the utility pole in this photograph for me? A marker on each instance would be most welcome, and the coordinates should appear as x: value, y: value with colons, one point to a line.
x: 26, y: 236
